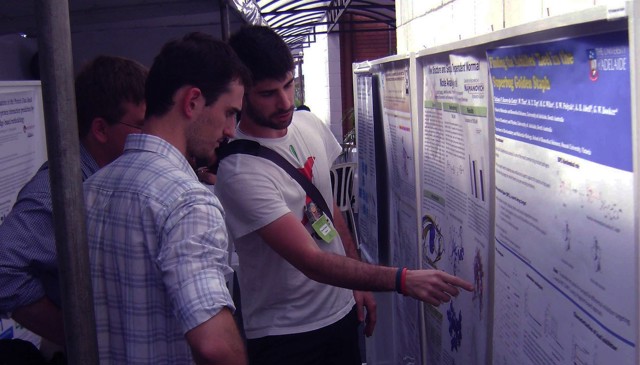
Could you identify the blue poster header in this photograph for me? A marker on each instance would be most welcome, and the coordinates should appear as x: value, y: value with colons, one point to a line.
x: 570, y: 95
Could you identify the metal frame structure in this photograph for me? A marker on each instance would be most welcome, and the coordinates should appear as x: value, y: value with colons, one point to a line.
x: 299, y: 21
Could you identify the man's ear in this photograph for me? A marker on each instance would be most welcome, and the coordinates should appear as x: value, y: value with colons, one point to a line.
x: 190, y: 100
x: 98, y: 130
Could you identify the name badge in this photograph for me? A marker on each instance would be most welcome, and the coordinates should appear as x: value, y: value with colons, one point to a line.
x: 320, y: 223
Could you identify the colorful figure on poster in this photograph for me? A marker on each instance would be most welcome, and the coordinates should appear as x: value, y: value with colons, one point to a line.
x: 478, y: 278
x: 432, y: 242
x: 455, y: 327
x: 457, y: 251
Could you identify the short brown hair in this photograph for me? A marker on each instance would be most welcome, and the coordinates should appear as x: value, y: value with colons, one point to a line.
x: 103, y: 85
x: 197, y: 60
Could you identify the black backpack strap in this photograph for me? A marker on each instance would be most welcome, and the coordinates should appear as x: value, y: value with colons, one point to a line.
x: 254, y: 148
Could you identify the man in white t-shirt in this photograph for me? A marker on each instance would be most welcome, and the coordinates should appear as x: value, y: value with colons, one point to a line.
x: 298, y: 273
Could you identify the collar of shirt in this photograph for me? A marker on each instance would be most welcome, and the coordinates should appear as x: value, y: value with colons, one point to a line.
x: 87, y: 163
x: 155, y: 144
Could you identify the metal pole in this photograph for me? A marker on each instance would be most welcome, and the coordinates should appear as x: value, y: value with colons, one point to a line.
x: 54, y: 44
x: 225, y: 25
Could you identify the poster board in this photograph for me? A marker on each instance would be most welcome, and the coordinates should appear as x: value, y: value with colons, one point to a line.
x: 398, y: 337
x: 456, y: 200
x: 23, y: 151
x: 564, y: 202
x: 400, y: 128
x: 369, y: 172
x: 559, y: 162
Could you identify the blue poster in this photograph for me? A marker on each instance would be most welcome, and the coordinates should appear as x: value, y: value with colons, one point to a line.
x: 571, y: 96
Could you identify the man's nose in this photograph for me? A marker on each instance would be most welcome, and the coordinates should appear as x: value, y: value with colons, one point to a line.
x: 230, y: 129
x: 284, y: 100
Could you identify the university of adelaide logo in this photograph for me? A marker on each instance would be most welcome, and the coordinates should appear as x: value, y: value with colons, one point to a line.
x: 593, y: 64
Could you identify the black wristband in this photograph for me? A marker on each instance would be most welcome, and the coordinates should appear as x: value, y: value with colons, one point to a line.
x: 398, y: 280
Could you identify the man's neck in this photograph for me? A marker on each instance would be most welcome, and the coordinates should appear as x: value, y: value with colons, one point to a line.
x: 250, y: 128
x: 96, y: 152
x: 170, y: 129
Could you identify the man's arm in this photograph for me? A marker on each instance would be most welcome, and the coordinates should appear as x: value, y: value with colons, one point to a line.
x: 27, y: 247
x: 217, y: 341
x: 288, y: 237
x: 364, y: 299
x: 42, y: 318
x: 341, y: 226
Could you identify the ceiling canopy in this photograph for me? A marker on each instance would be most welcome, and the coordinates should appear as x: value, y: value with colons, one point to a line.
x: 299, y: 21
x: 18, y: 16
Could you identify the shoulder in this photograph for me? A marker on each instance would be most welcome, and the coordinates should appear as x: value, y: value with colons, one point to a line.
x: 238, y: 171
x: 304, y: 118
x: 38, y: 185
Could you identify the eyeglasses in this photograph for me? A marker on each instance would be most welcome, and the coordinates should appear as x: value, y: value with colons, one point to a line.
x: 138, y: 127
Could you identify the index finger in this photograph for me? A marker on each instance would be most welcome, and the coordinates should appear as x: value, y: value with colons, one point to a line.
x: 459, y: 282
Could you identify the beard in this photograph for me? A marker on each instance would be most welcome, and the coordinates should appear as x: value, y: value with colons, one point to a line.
x: 265, y: 121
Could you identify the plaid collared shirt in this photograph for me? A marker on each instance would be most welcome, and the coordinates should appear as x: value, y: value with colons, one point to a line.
x: 158, y: 249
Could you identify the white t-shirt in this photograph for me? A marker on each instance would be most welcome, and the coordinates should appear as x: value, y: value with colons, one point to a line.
x: 277, y: 298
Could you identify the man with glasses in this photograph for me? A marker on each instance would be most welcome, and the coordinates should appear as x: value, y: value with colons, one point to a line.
x: 110, y: 105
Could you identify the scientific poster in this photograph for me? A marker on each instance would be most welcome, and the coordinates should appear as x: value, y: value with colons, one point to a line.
x: 367, y: 189
x: 456, y: 202
x: 565, y: 252
x: 23, y: 150
x: 399, y: 130
x: 19, y: 132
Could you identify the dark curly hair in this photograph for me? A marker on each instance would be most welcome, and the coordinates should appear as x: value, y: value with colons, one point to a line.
x: 263, y: 51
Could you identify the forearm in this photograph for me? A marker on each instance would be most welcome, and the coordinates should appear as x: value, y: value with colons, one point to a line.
x: 350, y: 273
x: 42, y: 318
x: 341, y: 226
x: 217, y: 341
x: 291, y: 240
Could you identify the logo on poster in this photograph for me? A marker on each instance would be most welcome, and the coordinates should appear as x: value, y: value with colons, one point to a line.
x: 593, y: 64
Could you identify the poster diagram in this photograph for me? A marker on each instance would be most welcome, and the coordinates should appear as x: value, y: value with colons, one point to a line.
x: 456, y: 199
x: 564, y: 202
x: 399, y: 129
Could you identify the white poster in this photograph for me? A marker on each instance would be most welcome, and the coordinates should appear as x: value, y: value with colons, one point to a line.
x: 566, y: 275
x: 456, y: 202
x: 21, y: 136
x: 23, y: 151
x: 367, y: 187
x: 399, y: 132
